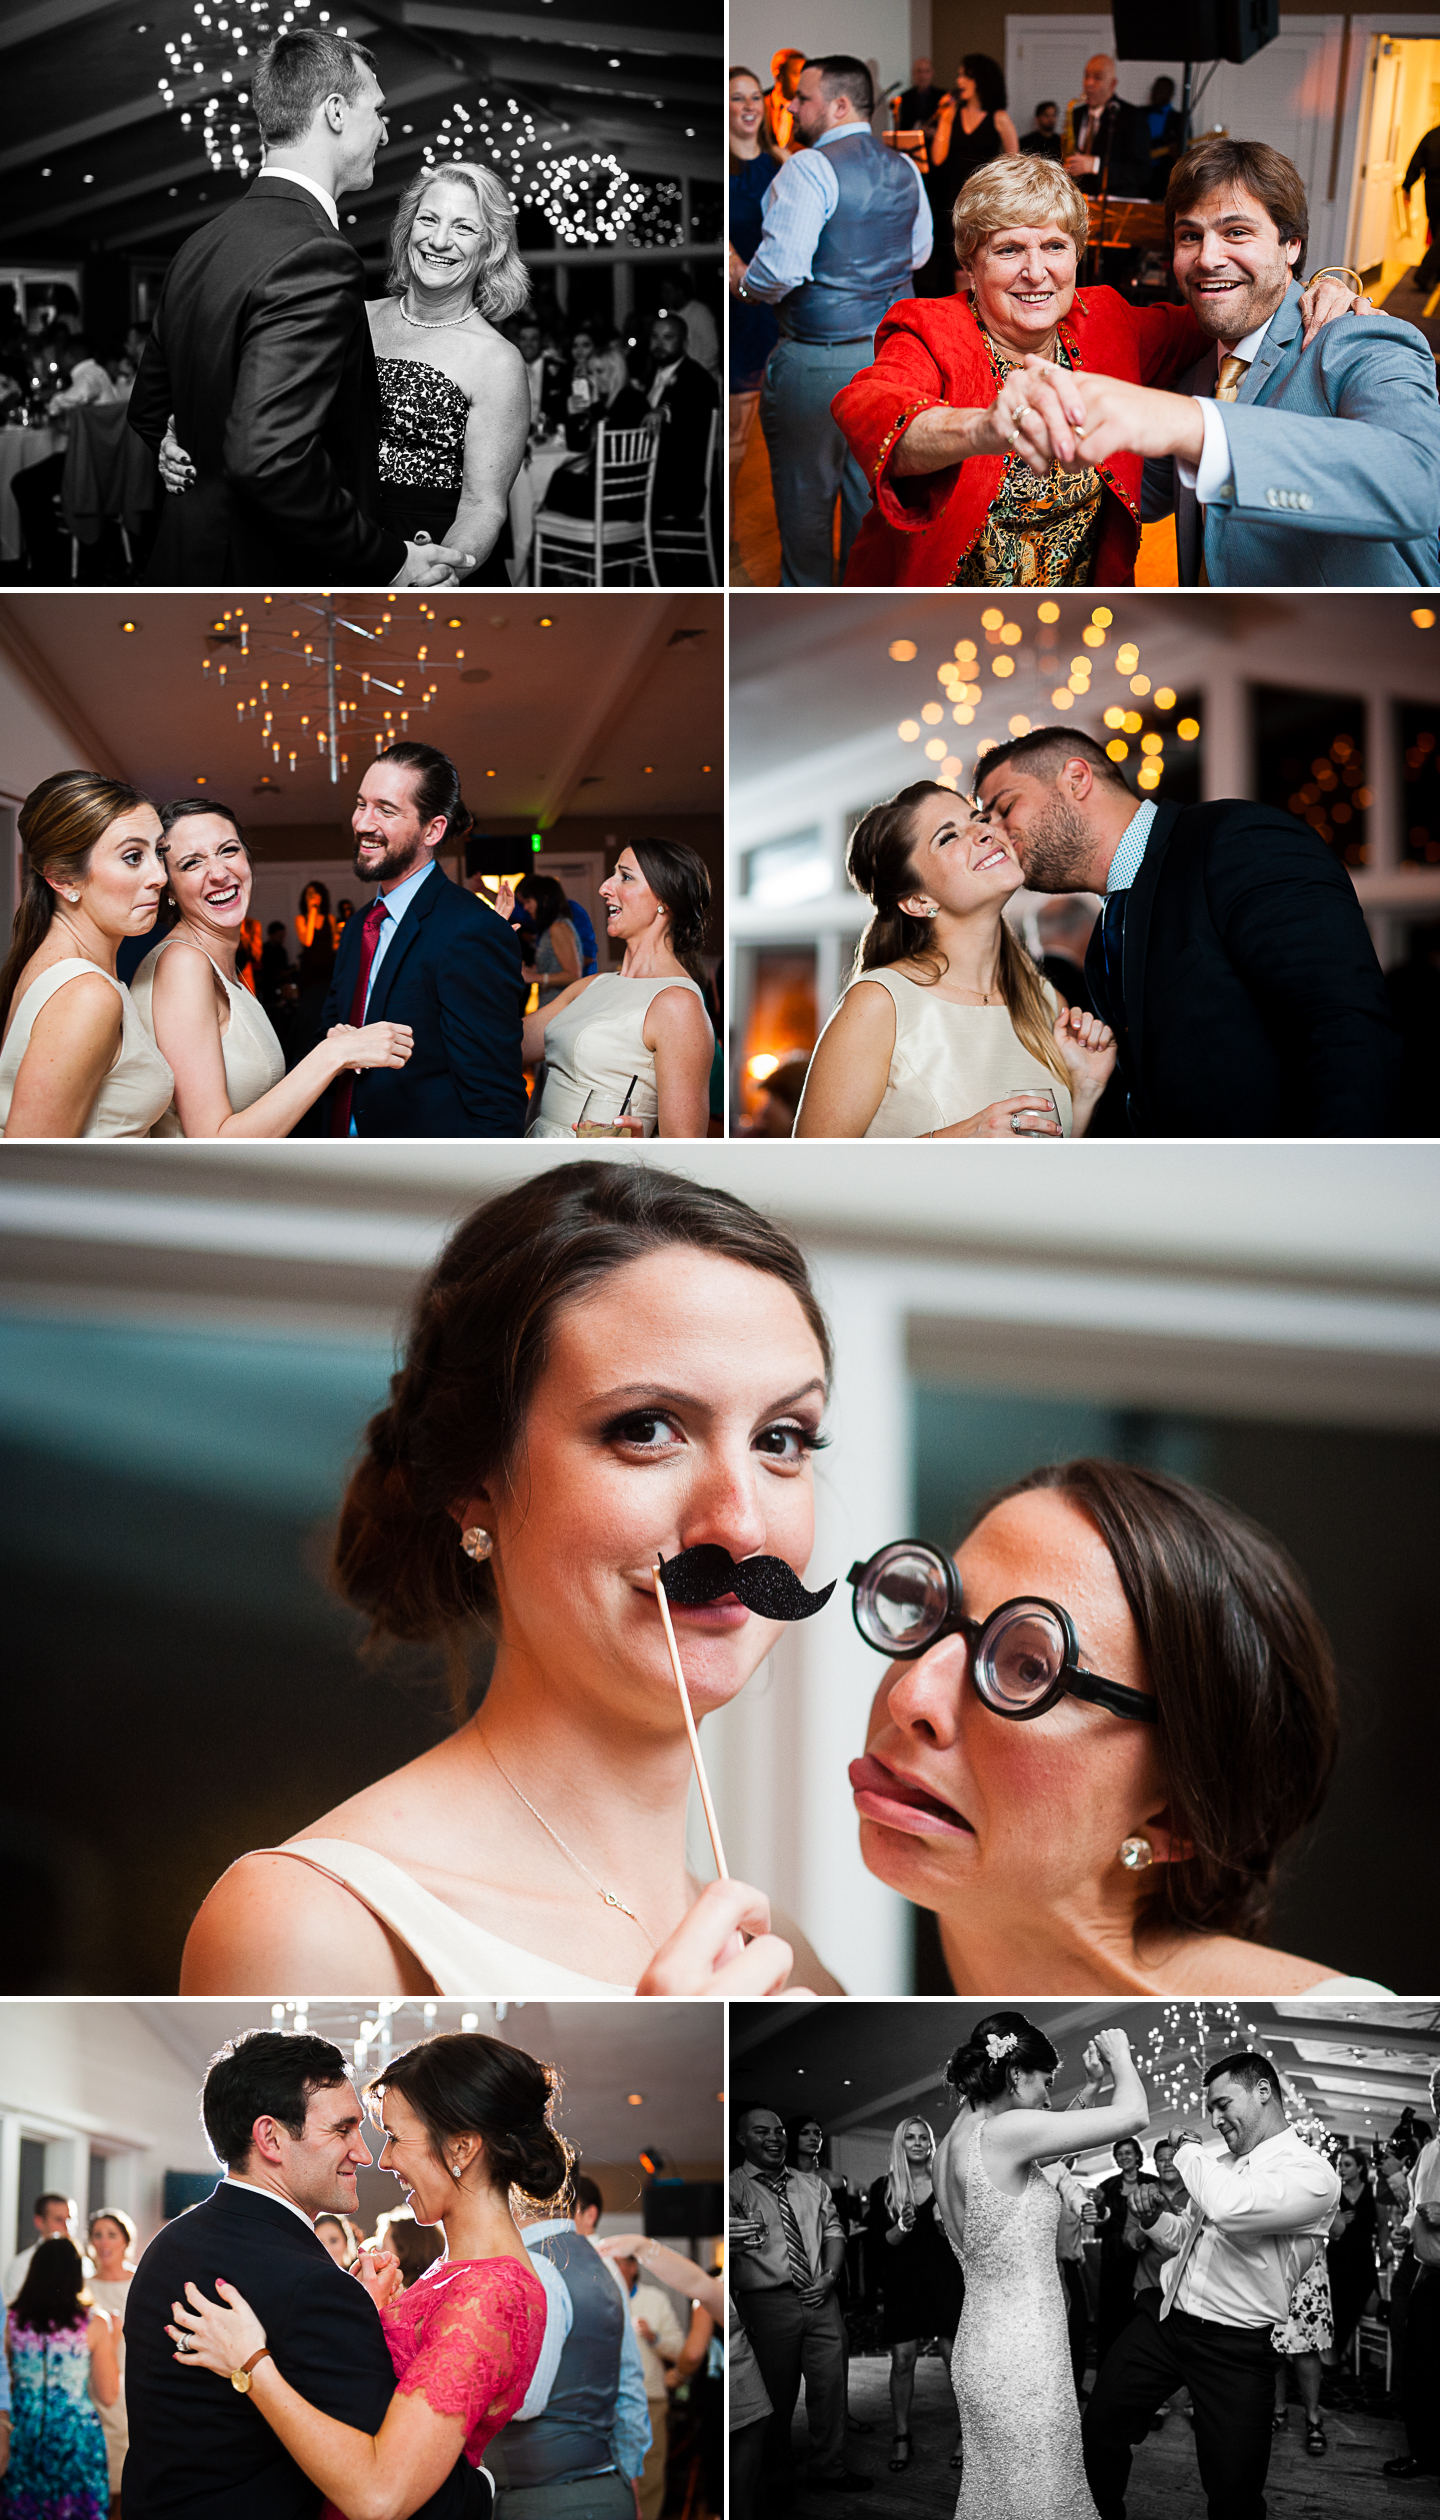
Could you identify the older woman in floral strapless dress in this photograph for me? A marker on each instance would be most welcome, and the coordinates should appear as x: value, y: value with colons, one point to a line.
x: 455, y: 399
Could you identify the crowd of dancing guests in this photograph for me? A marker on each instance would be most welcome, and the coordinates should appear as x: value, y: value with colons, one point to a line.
x: 571, y: 2363
x: 822, y: 2268
x: 141, y: 1000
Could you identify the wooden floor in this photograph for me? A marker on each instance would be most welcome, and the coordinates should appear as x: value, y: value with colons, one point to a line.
x: 1164, y: 2482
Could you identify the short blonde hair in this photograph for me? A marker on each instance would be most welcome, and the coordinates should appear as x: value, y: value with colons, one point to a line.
x: 502, y: 283
x: 1018, y: 192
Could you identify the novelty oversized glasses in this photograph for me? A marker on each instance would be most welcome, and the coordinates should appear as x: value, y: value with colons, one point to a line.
x: 1024, y: 1657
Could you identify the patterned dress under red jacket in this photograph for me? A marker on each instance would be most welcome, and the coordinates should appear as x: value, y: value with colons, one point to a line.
x: 931, y: 351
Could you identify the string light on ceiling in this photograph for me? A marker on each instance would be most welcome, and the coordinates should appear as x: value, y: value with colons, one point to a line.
x: 497, y: 132
x: 209, y: 65
x: 587, y: 200
x: 337, y: 686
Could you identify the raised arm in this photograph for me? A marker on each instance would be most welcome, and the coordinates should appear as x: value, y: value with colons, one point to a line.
x: 677, y: 1029
x: 1269, y: 2196
x: 670, y: 2267
x: 1015, y: 2136
x: 72, y: 1047
x: 187, y: 1034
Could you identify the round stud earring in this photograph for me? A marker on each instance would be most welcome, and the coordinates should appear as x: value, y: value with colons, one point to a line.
x: 475, y: 1542
x: 1137, y: 1854
x: 72, y: 896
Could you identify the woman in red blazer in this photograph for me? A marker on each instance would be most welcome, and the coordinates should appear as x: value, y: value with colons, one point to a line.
x: 965, y: 492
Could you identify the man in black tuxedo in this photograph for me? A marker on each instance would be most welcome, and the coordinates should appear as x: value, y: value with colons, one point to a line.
x: 261, y: 351
x: 1112, y: 139
x: 1231, y: 959
x: 682, y: 396
x: 280, y: 2111
x: 425, y: 953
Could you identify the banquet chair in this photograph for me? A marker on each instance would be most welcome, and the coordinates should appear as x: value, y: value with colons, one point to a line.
x: 619, y: 528
x: 110, y: 476
x: 698, y: 537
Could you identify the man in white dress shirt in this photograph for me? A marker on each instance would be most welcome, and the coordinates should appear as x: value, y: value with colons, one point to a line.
x: 1254, y: 2223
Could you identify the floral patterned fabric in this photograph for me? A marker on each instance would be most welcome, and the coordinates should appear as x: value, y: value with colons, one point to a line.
x: 58, y: 2469
x: 1042, y: 529
x: 1310, y: 2328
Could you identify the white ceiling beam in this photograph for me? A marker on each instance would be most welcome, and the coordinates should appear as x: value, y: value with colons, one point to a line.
x: 46, y: 17
x: 458, y: 17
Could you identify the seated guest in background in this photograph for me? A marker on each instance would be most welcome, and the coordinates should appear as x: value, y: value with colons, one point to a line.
x: 681, y: 396
x: 85, y: 380
x: 76, y: 1059
x: 972, y: 486
x: 1167, y: 129
x: 1043, y: 140
x: 600, y: 396
x: 971, y: 127
x: 702, y: 333
x: 634, y: 1043
x: 1227, y: 925
x: 947, y: 1030
x: 753, y: 328
x: 1112, y: 139
x: 846, y: 226
x: 922, y: 97
x: 545, y: 374
x: 1289, y: 455
x: 780, y: 120
x: 216, y: 1037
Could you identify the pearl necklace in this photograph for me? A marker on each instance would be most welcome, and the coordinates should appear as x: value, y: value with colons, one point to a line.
x: 452, y: 323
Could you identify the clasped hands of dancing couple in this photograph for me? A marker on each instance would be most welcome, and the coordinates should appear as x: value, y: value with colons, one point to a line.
x: 611, y: 1368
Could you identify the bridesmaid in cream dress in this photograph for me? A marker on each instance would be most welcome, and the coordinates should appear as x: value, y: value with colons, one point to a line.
x: 947, y: 1029
x: 76, y: 1061
x: 229, y: 1068
x: 631, y: 1050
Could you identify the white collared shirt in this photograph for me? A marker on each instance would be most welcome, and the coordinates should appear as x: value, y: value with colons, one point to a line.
x: 307, y: 183
x: 1130, y: 854
x: 1255, y: 2224
x: 660, y: 381
x: 1213, y: 478
x: 1424, y: 2182
x: 247, y: 2187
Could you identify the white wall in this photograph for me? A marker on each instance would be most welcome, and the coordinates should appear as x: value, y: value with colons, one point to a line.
x: 75, y: 2076
x: 873, y: 30
x: 34, y: 743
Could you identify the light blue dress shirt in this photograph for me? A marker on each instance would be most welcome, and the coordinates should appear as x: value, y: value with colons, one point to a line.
x: 1130, y: 855
x: 630, y: 2433
x: 806, y: 193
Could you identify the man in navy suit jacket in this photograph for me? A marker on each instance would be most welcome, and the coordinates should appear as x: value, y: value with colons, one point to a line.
x: 437, y: 959
x: 1231, y: 960
x: 281, y: 2111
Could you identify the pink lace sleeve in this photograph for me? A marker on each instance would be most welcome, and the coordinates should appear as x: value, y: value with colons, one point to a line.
x: 477, y: 2331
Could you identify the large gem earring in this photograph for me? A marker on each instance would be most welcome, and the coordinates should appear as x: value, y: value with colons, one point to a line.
x: 1137, y: 1854
x: 475, y: 1542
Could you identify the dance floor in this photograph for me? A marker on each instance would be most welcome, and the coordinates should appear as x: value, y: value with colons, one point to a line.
x: 1164, y: 2484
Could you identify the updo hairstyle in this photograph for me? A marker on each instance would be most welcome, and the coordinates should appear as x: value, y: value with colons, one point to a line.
x: 680, y: 880
x: 978, y: 2075
x: 479, y: 1343
x: 878, y: 865
x: 465, y: 2083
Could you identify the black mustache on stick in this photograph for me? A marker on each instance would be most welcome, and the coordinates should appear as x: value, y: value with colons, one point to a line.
x: 764, y: 1584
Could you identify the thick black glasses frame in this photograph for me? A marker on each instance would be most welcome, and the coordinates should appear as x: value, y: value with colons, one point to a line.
x: 1072, y: 1679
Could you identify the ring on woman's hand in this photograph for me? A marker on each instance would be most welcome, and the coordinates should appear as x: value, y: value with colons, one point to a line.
x: 1015, y: 1123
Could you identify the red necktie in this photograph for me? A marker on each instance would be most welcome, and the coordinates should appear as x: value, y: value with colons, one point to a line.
x: 375, y: 918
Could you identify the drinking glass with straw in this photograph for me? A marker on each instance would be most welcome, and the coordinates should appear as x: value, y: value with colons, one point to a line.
x: 626, y: 1124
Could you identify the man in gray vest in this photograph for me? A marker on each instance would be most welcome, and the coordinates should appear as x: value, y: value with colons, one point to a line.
x: 846, y: 227
x: 579, y: 2441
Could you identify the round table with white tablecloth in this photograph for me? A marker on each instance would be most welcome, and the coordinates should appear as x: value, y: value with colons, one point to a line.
x: 20, y: 448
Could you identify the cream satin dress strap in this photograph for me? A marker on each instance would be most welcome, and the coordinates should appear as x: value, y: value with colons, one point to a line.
x: 460, y: 1958
x: 595, y: 1045
x: 254, y: 1060
x: 137, y: 1088
x: 950, y: 1061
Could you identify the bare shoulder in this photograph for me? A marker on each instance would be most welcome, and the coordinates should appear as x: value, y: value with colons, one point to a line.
x: 809, y: 1970
x: 1221, y: 1964
x: 866, y: 1010
x: 485, y: 353
x: 271, y: 1921
x: 87, y: 1008
x: 183, y: 972
x: 678, y: 1015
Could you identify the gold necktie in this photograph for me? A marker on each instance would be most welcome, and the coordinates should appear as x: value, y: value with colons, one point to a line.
x: 1227, y: 383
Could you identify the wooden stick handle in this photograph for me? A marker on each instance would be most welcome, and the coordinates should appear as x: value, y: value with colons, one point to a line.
x: 702, y: 1780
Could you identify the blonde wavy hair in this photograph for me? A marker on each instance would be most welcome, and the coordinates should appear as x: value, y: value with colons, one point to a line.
x: 878, y: 865
x: 1018, y: 192
x: 900, y: 2178
x: 502, y: 283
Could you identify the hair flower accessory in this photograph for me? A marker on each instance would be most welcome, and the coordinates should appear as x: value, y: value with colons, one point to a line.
x: 996, y: 2047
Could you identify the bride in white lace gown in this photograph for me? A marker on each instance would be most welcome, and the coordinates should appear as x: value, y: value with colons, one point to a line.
x: 1019, y: 2419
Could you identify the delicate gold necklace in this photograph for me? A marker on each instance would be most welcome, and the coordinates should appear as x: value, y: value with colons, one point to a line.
x: 568, y: 1852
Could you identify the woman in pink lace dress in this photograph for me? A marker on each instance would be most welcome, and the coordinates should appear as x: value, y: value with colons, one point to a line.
x: 466, y: 2122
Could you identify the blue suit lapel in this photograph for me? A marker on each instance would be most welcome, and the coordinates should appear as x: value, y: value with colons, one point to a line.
x: 1281, y: 342
x: 402, y: 943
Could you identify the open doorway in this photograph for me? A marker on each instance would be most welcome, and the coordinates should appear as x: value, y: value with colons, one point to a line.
x: 1402, y: 103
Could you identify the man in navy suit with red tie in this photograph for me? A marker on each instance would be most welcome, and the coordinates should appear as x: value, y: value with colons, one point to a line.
x: 427, y: 953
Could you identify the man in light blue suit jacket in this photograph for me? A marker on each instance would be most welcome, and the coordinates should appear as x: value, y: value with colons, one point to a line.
x: 1285, y: 462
